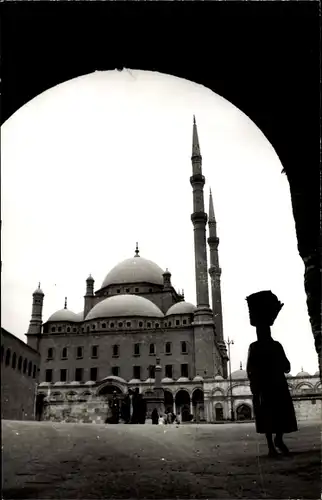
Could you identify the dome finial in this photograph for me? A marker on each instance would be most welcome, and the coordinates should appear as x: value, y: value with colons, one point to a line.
x: 137, y: 250
x: 65, y: 306
x: 302, y: 369
x: 39, y: 285
x: 241, y: 366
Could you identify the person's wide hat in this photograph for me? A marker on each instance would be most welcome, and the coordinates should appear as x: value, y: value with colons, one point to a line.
x: 263, y: 308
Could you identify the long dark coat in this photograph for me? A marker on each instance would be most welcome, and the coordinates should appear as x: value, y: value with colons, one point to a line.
x: 273, y: 405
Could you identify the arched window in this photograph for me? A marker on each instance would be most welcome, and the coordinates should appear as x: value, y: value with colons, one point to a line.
x: 148, y: 324
x: 8, y: 357
x: 157, y: 325
x: 29, y: 368
x: 50, y: 353
x: 184, y: 349
x: 177, y: 322
x: 24, y: 366
x: 53, y: 329
x: 59, y: 328
x: 74, y: 329
x: 64, y: 353
x: 120, y: 324
x: 112, y: 325
x: 20, y: 363
x: 103, y: 325
x: 128, y: 324
x: 68, y: 329
x: 14, y: 361
x: 184, y: 321
x: 140, y: 324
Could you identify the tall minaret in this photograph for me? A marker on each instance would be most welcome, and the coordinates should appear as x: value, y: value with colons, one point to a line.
x: 199, y: 220
x: 215, y: 273
x: 35, y: 324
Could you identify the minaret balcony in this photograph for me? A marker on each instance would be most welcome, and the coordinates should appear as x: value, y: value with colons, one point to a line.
x: 199, y: 217
x: 197, y: 179
x: 213, y: 241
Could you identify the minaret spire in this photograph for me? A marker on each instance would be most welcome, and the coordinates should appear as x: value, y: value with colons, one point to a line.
x: 65, y: 306
x: 215, y: 273
x: 199, y: 220
x: 35, y: 325
x: 137, y: 250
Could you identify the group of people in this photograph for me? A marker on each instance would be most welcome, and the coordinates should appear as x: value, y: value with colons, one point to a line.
x: 163, y: 419
x: 132, y: 409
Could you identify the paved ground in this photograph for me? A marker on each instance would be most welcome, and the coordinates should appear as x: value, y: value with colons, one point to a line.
x: 87, y: 461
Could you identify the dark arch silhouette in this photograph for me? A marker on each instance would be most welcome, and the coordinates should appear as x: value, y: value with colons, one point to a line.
x: 279, y: 90
x: 198, y: 404
x: 219, y: 412
x: 168, y: 400
x: 108, y: 390
x: 182, y: 400
x: 243, y: 412
x: 8, y: 357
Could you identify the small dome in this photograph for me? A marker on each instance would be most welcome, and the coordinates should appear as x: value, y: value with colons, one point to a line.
x: 90, y: 278
x: 80, y: 316
x: 181, y: 308
x: 183, y: 379
x: 134, y: 270
x: 124, y: 305
x: 303, y: 374
x: 219, y: 377
x: 166, y: 380
x: 239, y: 374
x: 38, y: 291
x: 63, y: 315
x: 288, y: 375
x: 135, y: 381
x: 90, y: 382
x: 116, y: 378
x: 198, y: 378
x: 44, y: 383
x: 150, y: 380
x: 317, y: 374
x: 74, y: 382
x: 59, y: 383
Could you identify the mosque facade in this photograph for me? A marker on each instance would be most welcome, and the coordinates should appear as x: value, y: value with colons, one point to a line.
x: 136, y: 330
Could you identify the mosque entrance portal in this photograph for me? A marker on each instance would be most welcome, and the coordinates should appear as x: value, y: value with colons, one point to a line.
x: 198, y: 405
x: 182, y: 401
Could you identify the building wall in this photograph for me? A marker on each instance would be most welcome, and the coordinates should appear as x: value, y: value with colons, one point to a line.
x: 126, y: 359
x: 306, y: 393
x: 18, y: 387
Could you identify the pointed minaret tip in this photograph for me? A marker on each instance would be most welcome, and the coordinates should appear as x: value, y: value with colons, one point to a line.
x: 211, y: 208
x: 241, y: 366
x: 195, y: 139
x: 137, y: 250
x: 65, y: 306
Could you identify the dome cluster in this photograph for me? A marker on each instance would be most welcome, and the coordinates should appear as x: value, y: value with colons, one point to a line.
x: 134, y: 270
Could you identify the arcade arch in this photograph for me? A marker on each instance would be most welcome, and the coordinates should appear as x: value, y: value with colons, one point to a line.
x: 243, y: 412
x: 182, y: 400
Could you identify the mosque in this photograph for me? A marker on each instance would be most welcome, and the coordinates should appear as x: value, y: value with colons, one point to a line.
x: 137, y: 331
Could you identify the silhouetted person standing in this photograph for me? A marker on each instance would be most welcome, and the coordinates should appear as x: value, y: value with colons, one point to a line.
x: 135, y: 406
x: 266, y: 368
x: 155, y: 416
x: 126, y: 408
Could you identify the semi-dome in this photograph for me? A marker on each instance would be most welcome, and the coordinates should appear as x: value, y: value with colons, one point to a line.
x: 198, y: 378
x: 181, y: 308
x: 239, y: 374
x: 135, y: 270
x: 64, y: 315
x: 124, y: 305
x: 166, y: 380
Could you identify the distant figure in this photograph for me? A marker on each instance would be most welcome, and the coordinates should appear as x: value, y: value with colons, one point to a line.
x: 266, y: 366
x: 155, y: 416
x: 135, y: 406
x: 115, y: 409
x: 126, y: 408
x: 141, y: 409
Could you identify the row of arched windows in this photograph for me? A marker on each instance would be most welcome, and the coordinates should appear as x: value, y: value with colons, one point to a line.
x: 121, y: 324
x: 18, y: 363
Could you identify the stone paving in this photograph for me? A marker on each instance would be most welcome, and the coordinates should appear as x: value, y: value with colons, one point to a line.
x: 47, y: 460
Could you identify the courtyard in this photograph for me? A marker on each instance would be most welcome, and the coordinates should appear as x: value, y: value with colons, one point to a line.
x: 88, y: 461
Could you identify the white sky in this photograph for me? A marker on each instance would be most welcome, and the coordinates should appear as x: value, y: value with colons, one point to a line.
x: 102, y: 161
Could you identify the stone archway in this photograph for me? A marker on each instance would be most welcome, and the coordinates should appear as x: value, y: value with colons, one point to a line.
x: 182, y: 401
x: 198, y: 408
x: 243, y: 412
x: 40, y: 403
x: 219, y: 412
x: 168, y: 400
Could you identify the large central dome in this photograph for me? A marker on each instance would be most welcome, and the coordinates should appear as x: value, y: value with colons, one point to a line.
x: 134, y: 270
